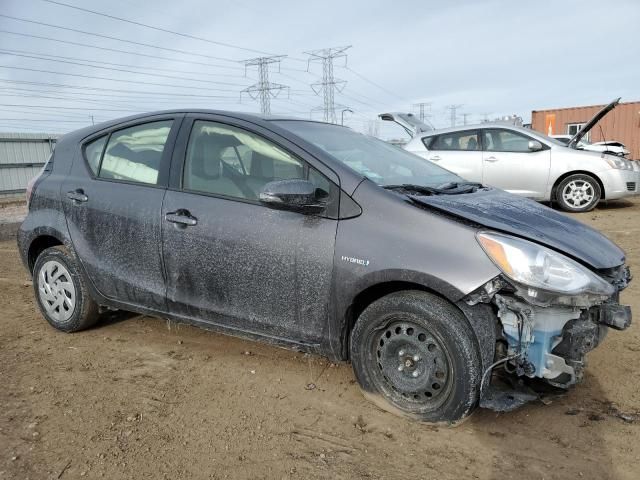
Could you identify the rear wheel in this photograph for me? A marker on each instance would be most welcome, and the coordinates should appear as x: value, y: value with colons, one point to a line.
x: 578, y: 193
x: 414, y: 354
x: 61, y: 292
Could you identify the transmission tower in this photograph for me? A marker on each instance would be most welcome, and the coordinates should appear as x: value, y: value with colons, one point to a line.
x: 264, y: 89
x: 329, y: 83
x: 421, y: 106
x: 453, y: 109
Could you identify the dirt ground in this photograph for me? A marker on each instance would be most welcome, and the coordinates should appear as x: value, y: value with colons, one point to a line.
x: 139, y: 397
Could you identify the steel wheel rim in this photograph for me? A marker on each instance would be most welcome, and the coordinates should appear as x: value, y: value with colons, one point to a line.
x: 56, y: 291
x: 412, y: 365
x: 578, y: 193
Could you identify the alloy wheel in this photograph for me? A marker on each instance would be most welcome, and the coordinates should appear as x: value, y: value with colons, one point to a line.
x: 578, y: 193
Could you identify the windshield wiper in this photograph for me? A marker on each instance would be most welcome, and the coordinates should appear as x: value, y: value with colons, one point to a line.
x: 451, y: 188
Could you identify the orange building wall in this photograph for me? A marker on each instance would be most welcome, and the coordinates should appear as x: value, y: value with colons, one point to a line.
x: 621, y: 124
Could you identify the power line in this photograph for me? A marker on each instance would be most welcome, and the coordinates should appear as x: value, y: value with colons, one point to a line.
x: 264, y: 89
x: 109, y: 37
x: 65, y: 108
x: 117, y: 69
x: 129, y: 52
x: 112, y: 79
x: 374, y: 83
x: 139, y: 92
x: 186, y: 35
x: 329, y: 83
x: 146, y: 67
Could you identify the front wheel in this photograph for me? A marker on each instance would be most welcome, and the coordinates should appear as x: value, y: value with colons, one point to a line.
x: 414, y: 354
x: 578, y: 193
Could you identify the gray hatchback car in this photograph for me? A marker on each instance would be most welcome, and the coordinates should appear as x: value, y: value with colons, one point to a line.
x: 440, y: 292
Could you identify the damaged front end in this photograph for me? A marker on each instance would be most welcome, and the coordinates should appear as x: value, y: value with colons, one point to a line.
x: 544, y: 333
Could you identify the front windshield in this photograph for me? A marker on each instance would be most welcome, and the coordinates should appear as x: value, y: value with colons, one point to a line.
x: 381, y: 162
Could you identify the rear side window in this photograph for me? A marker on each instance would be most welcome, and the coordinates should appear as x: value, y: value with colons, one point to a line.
x: 455, y: 141
x: 93, y: 153
x: 134, y: 154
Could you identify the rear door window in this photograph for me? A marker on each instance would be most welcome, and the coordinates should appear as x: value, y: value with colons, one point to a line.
x: 467, y: 140
x: 134, y: 154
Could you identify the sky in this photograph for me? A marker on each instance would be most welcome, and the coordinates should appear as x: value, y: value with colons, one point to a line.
x: 62, y: 68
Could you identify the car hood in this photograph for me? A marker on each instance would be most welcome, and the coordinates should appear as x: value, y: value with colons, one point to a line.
x: 591, y: 123
x: 505, y: 212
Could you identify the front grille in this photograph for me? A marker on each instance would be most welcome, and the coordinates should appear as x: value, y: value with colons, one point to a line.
x: 631, y: 186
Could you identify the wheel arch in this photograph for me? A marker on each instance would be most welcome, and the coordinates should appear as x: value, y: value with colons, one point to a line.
x: 577, y: 172
x: 480, y: 317
x: 39, y: 244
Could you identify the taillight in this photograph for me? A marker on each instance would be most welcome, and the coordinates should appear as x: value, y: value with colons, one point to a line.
x: 45, y: 168
x: 30, y: 187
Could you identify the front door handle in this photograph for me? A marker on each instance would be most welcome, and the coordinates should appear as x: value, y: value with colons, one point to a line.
x: 181, y: 217
x: 491, y: 159
x: 77, y: 196
x: 435, y: 158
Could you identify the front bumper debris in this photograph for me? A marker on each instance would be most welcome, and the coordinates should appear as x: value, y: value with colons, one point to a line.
x: 545, y: 338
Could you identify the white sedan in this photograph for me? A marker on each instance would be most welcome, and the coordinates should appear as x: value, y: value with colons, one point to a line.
x: 524, y: 162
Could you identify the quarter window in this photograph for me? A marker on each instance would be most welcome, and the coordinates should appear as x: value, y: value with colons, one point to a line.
x: 455, y: 141
x: 226, y: 160
x: 505, y: 141
x: 93, y: 153
x: 134, y: 154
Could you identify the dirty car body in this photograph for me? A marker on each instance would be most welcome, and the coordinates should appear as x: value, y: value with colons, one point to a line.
x: 303, y: 234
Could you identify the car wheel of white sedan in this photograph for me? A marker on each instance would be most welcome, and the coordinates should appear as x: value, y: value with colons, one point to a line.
x: 578, y: 193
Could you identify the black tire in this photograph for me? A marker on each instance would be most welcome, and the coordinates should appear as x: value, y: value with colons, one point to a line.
x: 426, y: 334
x: 577, y: 201
x: 78, y: 311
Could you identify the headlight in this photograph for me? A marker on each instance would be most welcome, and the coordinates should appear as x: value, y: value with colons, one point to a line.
x: 617, y: 162
x: 536, y: 266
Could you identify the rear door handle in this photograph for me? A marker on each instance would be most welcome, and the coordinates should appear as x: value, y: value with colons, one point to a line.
x: 77, y: 195
x: 181, y: 217
x: 491, y: 159
x: 435, y: 158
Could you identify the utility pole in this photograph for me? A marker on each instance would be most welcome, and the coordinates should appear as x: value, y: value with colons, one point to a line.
x: 329, y: 83
x: 264, y: 89
x: 453, y: 109
x: 421, y: 106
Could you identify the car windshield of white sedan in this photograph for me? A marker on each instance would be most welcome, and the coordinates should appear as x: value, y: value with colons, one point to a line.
x: 381, y: 162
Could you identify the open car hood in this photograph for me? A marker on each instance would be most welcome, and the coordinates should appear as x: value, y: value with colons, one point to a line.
x: 591, y: 123
x: 505, y: 212
x: 412, y: 124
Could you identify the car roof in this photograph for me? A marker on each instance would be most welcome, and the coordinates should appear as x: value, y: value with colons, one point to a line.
x: 78, y: 135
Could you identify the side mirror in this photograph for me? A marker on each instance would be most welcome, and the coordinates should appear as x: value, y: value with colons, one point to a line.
x: 535, y: 146
x: 296, y: 195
